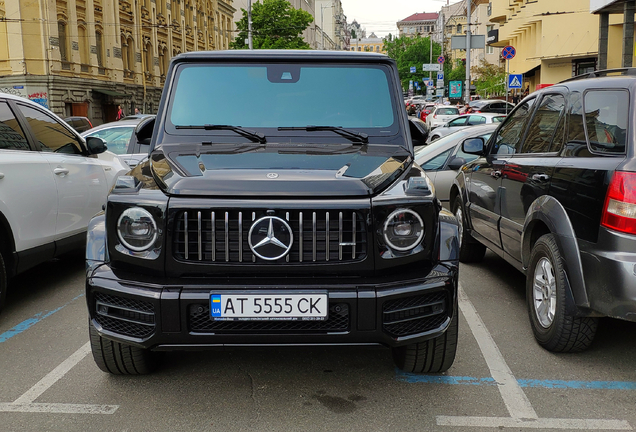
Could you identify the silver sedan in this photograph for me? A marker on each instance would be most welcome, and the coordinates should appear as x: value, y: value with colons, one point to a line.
x: 464, y: 121
x: 444, y: 157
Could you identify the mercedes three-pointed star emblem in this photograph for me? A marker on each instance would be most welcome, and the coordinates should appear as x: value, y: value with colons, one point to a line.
x: 270, y: 238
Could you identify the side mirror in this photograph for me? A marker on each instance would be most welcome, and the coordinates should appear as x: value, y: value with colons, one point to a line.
x: 473, y: 146
x: 456, y: 163
x: 96, y: 145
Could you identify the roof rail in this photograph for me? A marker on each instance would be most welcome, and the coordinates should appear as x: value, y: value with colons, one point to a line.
x: 605, y: 72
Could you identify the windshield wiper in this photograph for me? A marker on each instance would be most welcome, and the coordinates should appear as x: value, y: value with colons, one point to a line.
x: 354, y: 136
x: 254, y: 136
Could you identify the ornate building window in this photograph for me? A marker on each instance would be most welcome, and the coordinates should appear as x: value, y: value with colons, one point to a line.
x: 99, y: 43
x: 61, y: 33
x: 124, y: 54
x: 83, y: 45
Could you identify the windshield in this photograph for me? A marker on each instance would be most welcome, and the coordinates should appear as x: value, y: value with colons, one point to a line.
x: 117, y: 138
x: 447, y: 111
x: 283, y: 95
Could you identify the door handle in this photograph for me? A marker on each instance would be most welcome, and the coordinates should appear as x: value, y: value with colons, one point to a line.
x: 495, y: 174
x: 60, y: 171
x: 541, y: 177
x: 131, y: 163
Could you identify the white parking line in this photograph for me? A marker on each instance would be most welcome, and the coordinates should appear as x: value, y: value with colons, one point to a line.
x: 522, y: 415
x: 25, y: 402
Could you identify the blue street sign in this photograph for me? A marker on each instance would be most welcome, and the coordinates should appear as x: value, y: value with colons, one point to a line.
x: 515, y: 81
x: 440, y: 75
x: 508, y: 52
x: 413, y: 69
x: 440, y: 59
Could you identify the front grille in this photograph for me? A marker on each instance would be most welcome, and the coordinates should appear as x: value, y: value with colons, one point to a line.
x: 125, y: 316
x: 417, y: 314
x: 199, y: 321
x: 222, y: 236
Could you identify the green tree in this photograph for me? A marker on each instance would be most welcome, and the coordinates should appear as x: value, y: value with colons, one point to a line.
x: 489, y: 79
x: 409, y: 52
x: 275, y: 25
x: 353, y: 34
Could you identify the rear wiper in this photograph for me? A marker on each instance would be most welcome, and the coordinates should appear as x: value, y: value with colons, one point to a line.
x: 357, y: 137
x: 254, y: 136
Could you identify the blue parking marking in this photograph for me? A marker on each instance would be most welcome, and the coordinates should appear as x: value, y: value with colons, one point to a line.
x: 28, y: 323
x: 527, y: 383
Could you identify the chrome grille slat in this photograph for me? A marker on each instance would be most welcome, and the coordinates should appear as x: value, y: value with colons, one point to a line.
x: 199, y: 234
x: 185, y: 217
x: 227, y: 241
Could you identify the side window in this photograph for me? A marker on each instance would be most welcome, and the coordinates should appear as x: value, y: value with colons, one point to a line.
x: 508, y: 140
x: 458, y: 122
x: 436, y: 162
x: 52, y: 136
x: 476, y: 120
x: 117, y: 139
x: 576, y: 144
x: 544, y: 124
x: 11, y: 134
x: 606, y: 116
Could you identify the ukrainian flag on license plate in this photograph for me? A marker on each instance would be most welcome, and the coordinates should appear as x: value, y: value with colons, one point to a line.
x: 215, y: 306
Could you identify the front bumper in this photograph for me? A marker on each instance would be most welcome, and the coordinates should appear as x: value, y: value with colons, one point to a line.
x: 174, y: 316
x: 610, y: 274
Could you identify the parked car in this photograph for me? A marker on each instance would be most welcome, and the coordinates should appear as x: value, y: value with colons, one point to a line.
x: 129, y: 139
x: 51, y: 185
x: 489, y: 106
x: 275, y: 232
x: 80, y: 124
x: 440, y: 115
x: 552, y: 192
x: 464, y: 121
x: 137, y: 116
x: 442, y: 158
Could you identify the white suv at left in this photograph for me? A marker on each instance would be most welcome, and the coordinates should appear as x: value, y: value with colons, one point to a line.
x: 51, y: 185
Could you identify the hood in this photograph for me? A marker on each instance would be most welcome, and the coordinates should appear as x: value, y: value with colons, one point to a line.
x: 276, y: 170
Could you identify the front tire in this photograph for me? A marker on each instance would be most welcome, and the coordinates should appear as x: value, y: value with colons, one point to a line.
x: 431, y: 356
x: 120, y: 359
x: 553, y: 328
x: 469, y: 250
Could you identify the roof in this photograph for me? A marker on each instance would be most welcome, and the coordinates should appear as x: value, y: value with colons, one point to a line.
x: 287, y: 55
x: 422, y: 17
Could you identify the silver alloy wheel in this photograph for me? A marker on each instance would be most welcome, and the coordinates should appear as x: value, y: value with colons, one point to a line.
x: 460, y: 221
x: 544, y: 292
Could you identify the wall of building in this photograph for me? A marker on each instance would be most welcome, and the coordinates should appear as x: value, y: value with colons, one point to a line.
x: 63, y: 52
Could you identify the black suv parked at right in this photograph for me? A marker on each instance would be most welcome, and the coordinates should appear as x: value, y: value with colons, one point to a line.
x: 554, y: 193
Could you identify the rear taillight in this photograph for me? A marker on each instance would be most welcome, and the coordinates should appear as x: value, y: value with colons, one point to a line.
x: 434, y: 115
x: 619, y: 212
x: 90, y: 124
x: 477, y: 112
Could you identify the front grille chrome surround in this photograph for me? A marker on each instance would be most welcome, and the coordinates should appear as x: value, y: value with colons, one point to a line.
x: 218, y: 236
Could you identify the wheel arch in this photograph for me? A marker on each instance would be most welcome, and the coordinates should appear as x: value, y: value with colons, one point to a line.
x: 547, y: 215
x: 7, y: 245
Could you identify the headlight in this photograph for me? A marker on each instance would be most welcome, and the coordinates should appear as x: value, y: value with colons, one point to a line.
x: 137, y: 229
x: 403, y: 230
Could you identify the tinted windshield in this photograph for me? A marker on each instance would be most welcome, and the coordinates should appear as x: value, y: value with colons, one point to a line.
x: 281, y: 95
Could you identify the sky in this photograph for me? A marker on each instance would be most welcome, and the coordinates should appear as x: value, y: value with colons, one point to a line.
x: 380, y: 16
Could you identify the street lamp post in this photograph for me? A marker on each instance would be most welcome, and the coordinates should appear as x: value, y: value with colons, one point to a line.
x: 249, y: 24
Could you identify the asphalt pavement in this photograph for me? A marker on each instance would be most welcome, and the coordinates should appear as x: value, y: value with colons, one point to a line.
x: 501, y: 379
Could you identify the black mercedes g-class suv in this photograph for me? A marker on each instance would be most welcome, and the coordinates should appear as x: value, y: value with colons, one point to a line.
x: 554, y: 193
x: 280, y: 205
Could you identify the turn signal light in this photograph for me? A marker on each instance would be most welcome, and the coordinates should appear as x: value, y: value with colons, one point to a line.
x: 619, y: 212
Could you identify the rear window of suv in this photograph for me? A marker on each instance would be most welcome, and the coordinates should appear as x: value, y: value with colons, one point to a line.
x: 283, y: 95
x: 606, y: 117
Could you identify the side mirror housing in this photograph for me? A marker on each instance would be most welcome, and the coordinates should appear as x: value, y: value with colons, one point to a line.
x: 96, y: 145
x: 474, y: 146
x: 456, y: 163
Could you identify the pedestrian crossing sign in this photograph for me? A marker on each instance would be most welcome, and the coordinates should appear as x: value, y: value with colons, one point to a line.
x: 515, y: 81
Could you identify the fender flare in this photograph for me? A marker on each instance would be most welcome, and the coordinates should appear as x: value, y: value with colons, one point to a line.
x: 448, y: 237
x: 552, y: 213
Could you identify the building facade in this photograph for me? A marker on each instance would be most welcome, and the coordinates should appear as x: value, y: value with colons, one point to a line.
x: 616, y: 32
x: 370, y: 44
x: 553, y: 42
x: 480, y: 25
x: 418, y: 24
x: 85, y: 57
x: 331, y: 18
x: 454, y: 22
x: 355, y: 29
